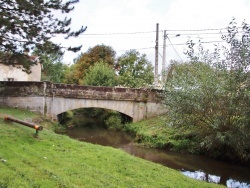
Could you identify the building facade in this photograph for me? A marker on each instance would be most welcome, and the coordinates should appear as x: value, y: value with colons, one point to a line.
x: 16, y: 73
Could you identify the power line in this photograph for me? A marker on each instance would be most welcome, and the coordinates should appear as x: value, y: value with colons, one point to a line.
x: 210, y: 29
x: 202, y: 42
x: 107, y: 37
x: 138, y: 49
x: 174, y: 49
x: 146, y: 48
x: 171, y: 30
x: 196, y: 33
x: 220, y: 33
x: 160, y: 54
x: 133, y: 33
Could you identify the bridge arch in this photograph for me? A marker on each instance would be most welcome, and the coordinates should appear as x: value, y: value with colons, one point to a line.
x: 61, y: 105
x: 52, y: 99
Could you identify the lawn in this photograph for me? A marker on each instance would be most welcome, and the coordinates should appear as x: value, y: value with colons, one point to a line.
x: 53, y: 160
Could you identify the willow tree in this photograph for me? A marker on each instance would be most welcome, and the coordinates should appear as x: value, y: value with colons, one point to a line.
x: 211, y: 96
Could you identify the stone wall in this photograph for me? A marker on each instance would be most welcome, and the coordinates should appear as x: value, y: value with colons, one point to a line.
x: 21, y: 89
x: 105, y: 93
x: 80, y: 92
x: 27, y: 95
x: 53, y: 99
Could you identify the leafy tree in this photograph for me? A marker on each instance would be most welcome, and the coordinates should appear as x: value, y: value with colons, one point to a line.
x: 134, y: 70
x: 53, y: 67
x: 100, y: 74
x: 98, y: 53
x: 212, y: 96
x: 93, y: 55
x: 69, y: 76
x: 26, y: 25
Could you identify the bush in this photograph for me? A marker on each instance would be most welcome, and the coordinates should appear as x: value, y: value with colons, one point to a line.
x: 114, y: 122
x: 213, y: 95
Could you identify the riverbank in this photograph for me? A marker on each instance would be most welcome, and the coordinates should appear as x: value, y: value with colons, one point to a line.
x: 53, y: 160
x: 156, y: 132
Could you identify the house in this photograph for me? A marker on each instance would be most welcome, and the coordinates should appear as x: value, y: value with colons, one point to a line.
x: 15, y: 72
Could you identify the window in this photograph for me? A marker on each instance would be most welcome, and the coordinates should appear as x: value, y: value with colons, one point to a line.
x: 10, y: 79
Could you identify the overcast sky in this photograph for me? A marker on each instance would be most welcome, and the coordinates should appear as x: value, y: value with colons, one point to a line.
x: 138, y: 18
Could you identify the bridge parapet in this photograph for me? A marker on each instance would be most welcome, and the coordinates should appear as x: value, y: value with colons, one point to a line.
x: 106, y: 93
x: 48, y: 89
x: 53, y: 99
x: 16, y: 89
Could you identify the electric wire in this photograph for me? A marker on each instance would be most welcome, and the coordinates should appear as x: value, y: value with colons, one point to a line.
x: 174, y: 49
x: 132, y: 33
x: 172, y: 33
x: 210, y: 29
x: 171, y: 30
x: 137, y: 49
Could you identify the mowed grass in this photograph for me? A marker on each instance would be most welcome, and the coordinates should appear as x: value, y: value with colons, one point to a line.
x: 53, y: 160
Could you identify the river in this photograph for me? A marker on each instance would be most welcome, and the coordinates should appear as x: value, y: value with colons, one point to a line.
x: 193, y: 166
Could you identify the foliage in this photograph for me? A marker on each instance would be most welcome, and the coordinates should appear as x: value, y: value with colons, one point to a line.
x: 100, y: 74
x: 99, y: 53
x: 213, y: 95
x: 66, y: 118
x: 114, y: 122
x: 60, y: 161
x: 157, y: 132
x: 26, y: 25
x: 134, y: 70
x: 92, y: 116
x: 69, y: 76
x: 53, y: 69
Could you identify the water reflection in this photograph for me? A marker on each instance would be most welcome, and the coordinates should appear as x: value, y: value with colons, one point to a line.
x: 190, y: 165
x: 202, y: 176
x: 193, y: 166
x: 199, y: 175
x: 233, y: 183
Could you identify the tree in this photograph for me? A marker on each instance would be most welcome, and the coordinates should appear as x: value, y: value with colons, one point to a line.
x: 100, y: 74
x: 53, y: 67
x: 26, y: 25
x: 211, y: 96
x: 134, y: 70
x: 96, y: 54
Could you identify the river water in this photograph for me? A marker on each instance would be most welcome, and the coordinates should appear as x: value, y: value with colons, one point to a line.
x: 193, y: 166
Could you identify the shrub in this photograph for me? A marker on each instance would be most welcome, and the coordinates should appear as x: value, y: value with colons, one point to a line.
x: 114, y: 122
x: 213, y: 95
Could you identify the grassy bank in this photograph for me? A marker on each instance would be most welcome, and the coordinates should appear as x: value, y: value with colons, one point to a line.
x: 156, y: 132
x: 53, y: 160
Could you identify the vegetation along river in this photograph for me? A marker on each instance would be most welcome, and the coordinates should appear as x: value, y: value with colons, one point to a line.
x: 198, y: 167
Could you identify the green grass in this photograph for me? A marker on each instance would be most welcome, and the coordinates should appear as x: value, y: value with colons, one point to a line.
x: 53, y: 160
x: 158, y: 132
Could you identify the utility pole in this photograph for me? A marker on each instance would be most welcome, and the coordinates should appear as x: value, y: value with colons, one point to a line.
x: 163, y: 71
x: 156, y: 55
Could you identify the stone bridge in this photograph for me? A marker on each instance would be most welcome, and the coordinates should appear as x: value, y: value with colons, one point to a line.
x: 53, y: 99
